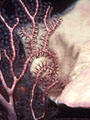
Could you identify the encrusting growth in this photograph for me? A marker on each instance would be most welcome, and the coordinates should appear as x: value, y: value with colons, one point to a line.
x: 42, y: 60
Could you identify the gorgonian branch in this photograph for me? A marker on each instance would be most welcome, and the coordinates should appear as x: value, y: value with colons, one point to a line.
x: 32, y: 18
x: 10, y: 91
x: 9, y: 105
x: 45, y: 19
x: 51, y: 67
x: 4, y: 83
x: 11, y: 60
x: 11, y: 37
x: 50, y: 27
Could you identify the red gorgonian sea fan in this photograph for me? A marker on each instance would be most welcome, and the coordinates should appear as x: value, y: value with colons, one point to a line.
x: 42, y: 60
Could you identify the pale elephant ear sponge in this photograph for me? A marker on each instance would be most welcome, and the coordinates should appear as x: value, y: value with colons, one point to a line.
x: 76, y: 93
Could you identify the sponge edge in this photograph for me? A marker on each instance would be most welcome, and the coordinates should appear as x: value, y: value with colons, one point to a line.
x: 77, y: 92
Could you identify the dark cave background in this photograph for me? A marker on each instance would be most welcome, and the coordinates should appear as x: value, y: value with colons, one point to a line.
x: 10, y: 10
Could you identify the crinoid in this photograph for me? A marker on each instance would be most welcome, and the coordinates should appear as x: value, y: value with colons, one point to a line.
x: 43, y: 61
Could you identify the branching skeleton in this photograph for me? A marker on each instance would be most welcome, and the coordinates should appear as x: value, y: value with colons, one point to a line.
x: 52, y: 66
